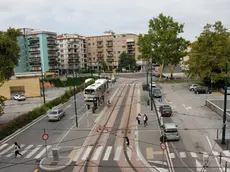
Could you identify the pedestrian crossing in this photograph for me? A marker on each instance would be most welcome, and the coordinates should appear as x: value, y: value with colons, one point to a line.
x: 104, y: 153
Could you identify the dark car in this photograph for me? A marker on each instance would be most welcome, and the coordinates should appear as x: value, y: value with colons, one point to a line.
x: 202, y: 90
x: 165, y: 110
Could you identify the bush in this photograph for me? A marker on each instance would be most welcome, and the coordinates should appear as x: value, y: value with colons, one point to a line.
x: 24, y: 119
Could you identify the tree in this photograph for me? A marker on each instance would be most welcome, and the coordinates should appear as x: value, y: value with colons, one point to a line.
x: 104, y: 66
x: 9, y: 54
x: 126, y: 61
x: 210, y: 53
x: 168, y: 48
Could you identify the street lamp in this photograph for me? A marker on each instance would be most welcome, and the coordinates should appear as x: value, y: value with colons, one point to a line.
x: 43, y: 87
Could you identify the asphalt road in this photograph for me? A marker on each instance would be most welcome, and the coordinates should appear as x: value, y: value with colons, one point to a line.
x: 197, y: 128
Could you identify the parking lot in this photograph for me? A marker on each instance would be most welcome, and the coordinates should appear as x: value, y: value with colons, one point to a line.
x: 15, y: 108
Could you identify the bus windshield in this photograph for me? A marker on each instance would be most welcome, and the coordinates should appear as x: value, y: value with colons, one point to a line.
x: 89, y: 91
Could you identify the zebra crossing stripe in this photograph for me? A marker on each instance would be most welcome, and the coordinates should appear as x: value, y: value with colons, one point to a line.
x: 2, y: 146
x: 107, y: 153
x: 33, y: 151
x: 6, y: 150
x: 182, y: 154
x: 87, y: 152
x: 10, y: 154
x: 97, y: 153
x: 129, y: 152
x: 42, y: 152
x: 172, y: 155
x: 26, y: 149
x: 78, y: 154
x: 215, y: 153
x: 117, y: 153
x: 194, y: 155
x: 226, y: 153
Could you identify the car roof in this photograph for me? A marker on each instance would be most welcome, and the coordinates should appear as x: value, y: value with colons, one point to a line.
x: 170, y: 125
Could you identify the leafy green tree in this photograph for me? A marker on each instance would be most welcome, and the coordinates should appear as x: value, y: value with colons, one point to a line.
x: 9, y: 54
x: 126, y: 61
x: 210, y: 53
x: 104, y: 66
x: 168, y: 48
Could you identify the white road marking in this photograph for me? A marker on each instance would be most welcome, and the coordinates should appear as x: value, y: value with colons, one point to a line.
x: 10, y: 154
x: 226, y: 153
x: 212, y: 152
x: 182, y: 154
x: 107, y: 153
x: 117, y: 153
x: 78, y: 154
x: 67, y: 106
x: 168, y: 101
x: 159, y: 162
x: 171, y: 155
x: 194, y: 155
x: 97, y: 153
x: 215, y: 153
x: 198, y: 166
x: 2, y: 146
x: 129, y: 152
x: 87, y: 152
x: 26, y: 149
x: 6, y: 150
x: 42, y: 152
x: 33, y: 151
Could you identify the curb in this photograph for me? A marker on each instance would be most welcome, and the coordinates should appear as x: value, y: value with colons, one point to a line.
x: 61, y: 167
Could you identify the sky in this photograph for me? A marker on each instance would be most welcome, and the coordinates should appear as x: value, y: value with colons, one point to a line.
x: 93, y: 17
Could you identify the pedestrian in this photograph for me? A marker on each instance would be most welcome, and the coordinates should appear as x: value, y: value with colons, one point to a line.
x: 17, y: 149
x: 145, y: 118
x: 127, y: 141
x: 138, y: 118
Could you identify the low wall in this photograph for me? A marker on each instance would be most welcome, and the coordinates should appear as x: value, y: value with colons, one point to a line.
x: 211, y: 104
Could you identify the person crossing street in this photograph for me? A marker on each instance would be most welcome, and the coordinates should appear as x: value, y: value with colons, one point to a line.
x: 17, y: 149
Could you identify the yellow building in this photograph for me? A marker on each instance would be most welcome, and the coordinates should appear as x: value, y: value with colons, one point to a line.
x: 30, y: 87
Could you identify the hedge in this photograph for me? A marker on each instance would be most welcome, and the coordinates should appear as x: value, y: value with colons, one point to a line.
x: 24, y: 119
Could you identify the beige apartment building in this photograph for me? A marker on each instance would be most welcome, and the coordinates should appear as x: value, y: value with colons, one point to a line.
x: 108, y: 48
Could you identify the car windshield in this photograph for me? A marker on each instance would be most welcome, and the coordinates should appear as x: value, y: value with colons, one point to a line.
x: 167, y: 108
x: 171, y: 130
x: 89, y: 91
x: 53, y: 113
x: 157, y: 92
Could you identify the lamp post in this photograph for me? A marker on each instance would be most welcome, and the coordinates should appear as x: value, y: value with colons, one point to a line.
x: 74, y: 97
x: 151, y: 84
x: 225, y: 105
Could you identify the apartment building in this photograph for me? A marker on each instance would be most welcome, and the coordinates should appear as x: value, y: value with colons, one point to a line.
x: 72, y: 53
x: 108, y: 48
x: 38, y: 51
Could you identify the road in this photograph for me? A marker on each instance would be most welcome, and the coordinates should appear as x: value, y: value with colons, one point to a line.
x: 62, y: 134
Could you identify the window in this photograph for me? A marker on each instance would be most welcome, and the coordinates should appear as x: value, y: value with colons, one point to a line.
x: 61, y: 50
x: 118, y: 52
x: 62, y: 55
x: 89, y: 54
x: 123, y: 46
x: 93, y: 43
x: 75, y: 46
x: 62, y: 61
x: 61, y: 45
x: 88, y: 43
x: 94, y: 58
x: 68, y: 45
x: 114, y: 52
x: 75, y: 50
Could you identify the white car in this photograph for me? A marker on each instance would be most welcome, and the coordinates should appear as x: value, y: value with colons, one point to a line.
x: 193, y: 86
x: 55, y: 115
x: 19, y: 97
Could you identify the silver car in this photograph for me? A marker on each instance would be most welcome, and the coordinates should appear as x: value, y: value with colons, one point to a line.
x: 55, y: 115
x: 171, y: 131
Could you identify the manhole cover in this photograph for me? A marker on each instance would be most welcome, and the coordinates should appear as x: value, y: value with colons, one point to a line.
x: 53, y: 163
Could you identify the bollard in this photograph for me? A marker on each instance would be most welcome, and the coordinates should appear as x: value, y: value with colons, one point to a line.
x: 93, y: 109
x: 55, y: 152
x: 220, y: 157
x: 217, y: 134
x: 226, y: 166
x: 147, y: 102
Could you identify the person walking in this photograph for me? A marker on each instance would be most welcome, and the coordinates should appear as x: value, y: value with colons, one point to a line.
x: 145, y: 118
x: 127, y: 141
x: 138, y: 118
x: 17, y: 149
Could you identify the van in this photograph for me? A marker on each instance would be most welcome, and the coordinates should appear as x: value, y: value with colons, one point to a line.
x: 171, y: 131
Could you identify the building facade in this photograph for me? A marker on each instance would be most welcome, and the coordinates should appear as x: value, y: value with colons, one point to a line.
x: 108, y: 48
x: 72, y: 53
x: 38, y: 51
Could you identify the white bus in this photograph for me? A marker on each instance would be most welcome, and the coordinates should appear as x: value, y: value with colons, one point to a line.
x: 96, y: 91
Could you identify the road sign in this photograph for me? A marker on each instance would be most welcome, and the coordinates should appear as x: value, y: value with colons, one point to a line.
x: 45, y: 137
x: 163, y: 146
x: 160, y: 100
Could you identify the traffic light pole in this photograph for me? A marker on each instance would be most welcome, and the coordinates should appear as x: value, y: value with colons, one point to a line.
x: 225, y: 105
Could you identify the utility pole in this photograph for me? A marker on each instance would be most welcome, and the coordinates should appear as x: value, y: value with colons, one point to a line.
x: 151, y: 84
x: 225, y: 105
x: 43, y: 87
x: 74, y: 96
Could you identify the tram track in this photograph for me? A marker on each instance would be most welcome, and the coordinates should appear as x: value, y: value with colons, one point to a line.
x: 94, y: 145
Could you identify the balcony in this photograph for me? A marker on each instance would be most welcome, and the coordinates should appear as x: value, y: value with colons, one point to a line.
x: 100, y: 55
x: 33, y: 39
x: 53, y: 62
x: 109, y: 49
x: 99, y: 50
x: 73, y: 61
x: 73, y: 52
x: 99, y: 41
x: 109, y: 55
x: 109, y: 44
x: 35, y: 63
x: 109, y: 40
x: 130, y: 47
x: 110, y: 60
x: 99, y: 45
x: 51, y: 38
x: 34, y: 45
x: 52, y: 49
x: 130, y: 43
x: 35, y: 68
x: 35, y: 50
x: 51, y: 43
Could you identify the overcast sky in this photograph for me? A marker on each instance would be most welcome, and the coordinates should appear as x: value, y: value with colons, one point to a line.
x: 93, y: 17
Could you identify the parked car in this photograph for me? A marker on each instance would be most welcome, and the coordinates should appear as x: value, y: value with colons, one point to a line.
x: 19, y: 97
x: 165, y: 110
x: 55, y: 115
x: 193, y: 86
x: 153, y: 85
x: 204, y: 90
x: 157, y: 93
x: 171, y: 131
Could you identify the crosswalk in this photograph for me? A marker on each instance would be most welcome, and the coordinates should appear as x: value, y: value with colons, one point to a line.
x: 105, y: 153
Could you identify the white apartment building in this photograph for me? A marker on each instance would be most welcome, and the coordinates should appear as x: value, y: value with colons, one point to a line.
x: 72, y: 53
